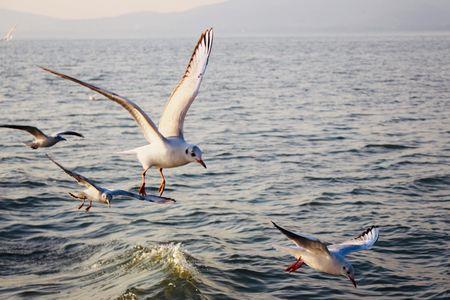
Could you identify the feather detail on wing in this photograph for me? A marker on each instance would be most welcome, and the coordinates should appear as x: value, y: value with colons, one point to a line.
x: 30, y: 129
x: 363, y: 241
x: 158, y: 199
x: 124, y: 193
x: 70, y: 133
x: 79, y: 178
x: 149, y: 129
x: 172, y: 118
x: 148, y: 198
x: 307, y: 243
x: 296, y: 252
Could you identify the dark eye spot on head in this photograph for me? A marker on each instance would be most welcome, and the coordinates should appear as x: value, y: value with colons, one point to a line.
x: 192, y: 154
x: 186, y: 151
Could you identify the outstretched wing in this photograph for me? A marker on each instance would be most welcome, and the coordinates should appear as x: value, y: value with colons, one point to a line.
x: 172, y: 118
x: 149, y: 198
x: 306, y: 242
x: 149, y: 129
x: 30, y: 129
x: 363, y: 241
x: 70, y: 133
x: 79, y: 178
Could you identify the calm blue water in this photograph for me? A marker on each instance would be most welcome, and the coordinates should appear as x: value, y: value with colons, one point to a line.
x: 325, y: 135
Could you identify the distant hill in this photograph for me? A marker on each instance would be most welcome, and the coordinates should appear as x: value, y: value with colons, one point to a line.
x: 247, y: 17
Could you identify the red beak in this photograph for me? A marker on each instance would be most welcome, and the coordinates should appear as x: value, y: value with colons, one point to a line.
x: 352, y: 280
x: 200, y: 161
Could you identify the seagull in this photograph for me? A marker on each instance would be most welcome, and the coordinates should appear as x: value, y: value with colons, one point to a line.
x: 94, y: 192
x: 9, y: 35
x: 42, y: 140
x: 166, y: 146
x: 329, y: 259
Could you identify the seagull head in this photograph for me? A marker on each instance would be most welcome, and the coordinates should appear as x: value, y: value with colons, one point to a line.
x: 106, y: 197
x: 194, y: 154
x: 348, y: 271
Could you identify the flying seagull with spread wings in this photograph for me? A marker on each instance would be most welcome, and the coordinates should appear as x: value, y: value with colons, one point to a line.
x: 94, y: 192
x: 329, y: 259
x: 42, y: 140
x: 167, y: 147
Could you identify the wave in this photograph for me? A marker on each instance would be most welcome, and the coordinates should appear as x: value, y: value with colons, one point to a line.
x: 438, y: 180
x: 168, y: 257
x: 389, y: 146
x: 22, y: 184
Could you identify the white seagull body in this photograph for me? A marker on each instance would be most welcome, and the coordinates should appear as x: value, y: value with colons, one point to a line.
x: 167, y: 147
x: 94, y: 192
x: 327, y: 259
x: 42, y: 140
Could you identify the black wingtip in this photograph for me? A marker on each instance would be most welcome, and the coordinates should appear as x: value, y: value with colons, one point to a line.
x: 280, y: 228
x: 49, y: 70
x: 43, y: 68
x: 51, y: 158
x: 166, y: 200
x: 170, y: 199
x: 367, y: 231
x: 286, y: 232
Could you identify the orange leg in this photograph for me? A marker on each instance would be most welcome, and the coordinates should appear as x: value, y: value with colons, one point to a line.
x: 89, y: 206
x: 162, y: 186
x: 81, y: 205
x: 142, y: 188
x: 295, y: 266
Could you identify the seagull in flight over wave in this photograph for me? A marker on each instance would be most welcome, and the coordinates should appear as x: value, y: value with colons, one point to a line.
x: 328, y: 259
x: 42, y: 140
x: 94, y: 192
x: 166, y: 146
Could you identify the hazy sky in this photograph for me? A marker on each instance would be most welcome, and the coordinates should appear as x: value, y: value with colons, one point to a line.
x: 80, y: 9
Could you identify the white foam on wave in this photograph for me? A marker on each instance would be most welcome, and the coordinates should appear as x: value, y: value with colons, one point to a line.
x: 170, y: 257
x: 164, y: 265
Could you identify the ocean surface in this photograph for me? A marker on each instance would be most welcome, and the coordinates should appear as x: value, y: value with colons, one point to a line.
x: 323, y: 135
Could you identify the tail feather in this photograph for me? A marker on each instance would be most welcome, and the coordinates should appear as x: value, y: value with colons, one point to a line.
x: 132, y: 151
x: 135, y: 150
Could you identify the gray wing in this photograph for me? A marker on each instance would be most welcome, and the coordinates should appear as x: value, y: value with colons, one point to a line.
x: 363, y: 241
x: 148, y: 128
x: 306, y: 242
x: 79, y: 178
x: 124, y: 193
x: 172, y: 118
x: 30, y: 129
x: 148, y: 198
x: 70, y: 133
